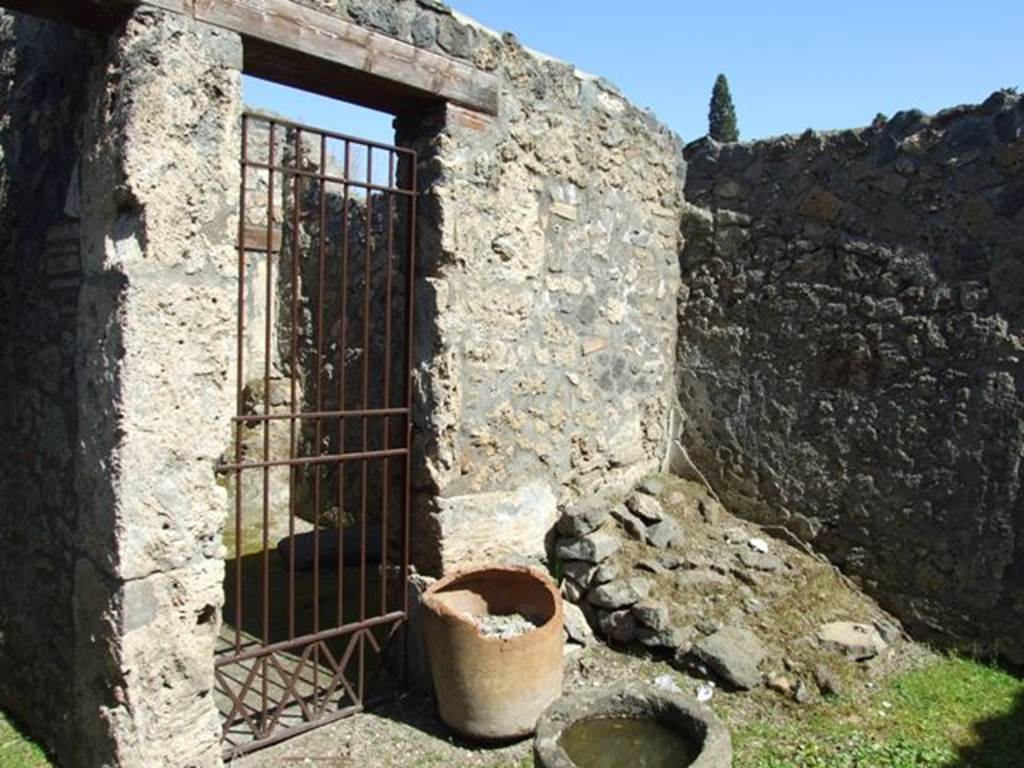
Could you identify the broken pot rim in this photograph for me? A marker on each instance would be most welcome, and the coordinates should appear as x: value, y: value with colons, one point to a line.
x: 442, y: 610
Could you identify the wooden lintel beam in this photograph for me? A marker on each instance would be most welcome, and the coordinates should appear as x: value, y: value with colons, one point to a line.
x: 314, y: 50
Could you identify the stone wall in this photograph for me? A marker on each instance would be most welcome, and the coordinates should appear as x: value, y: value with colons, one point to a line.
x: 547, y: 275
x: 160, y: 198
x: 547, y: 269
x: 847, y: 364
x: 546, y: 278
x: 119, y: 187
x: 546, y: 281
x: 43, y: 77
x: 850, y: 353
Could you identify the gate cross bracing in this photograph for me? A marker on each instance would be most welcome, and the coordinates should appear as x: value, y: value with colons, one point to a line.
x: 318, y: 543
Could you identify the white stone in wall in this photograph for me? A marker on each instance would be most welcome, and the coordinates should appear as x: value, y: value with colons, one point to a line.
x: 484, y: 527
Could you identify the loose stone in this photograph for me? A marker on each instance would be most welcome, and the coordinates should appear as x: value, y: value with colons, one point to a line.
x: 576, y: 627
x: 827, y: 680
x: 663, y: 534
x: 856, y: 641
x: 594, y: 547
x: 889, y: 631
x: 630, y: 523
x: 676, y: 640
x: 671, y: 561
x: 579, y: 571
x: 708, y: 626
x: 653, y: 615
x: 604, y: 573
x: 652, y: 486
x: 580, y: 519
x: 646, y: 507
x: 619, y: 626
x: 758, y: 545
x: 502, y: 626
x: 650, y: 565
x: 802, y: 693
x: 572, y: 591
x: 618, y: 594
x: 760, y: 561
x: 780, y: 684
x: 732, y: 653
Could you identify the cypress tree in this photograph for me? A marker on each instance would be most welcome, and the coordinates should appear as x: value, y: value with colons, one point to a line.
x: 722, y: 113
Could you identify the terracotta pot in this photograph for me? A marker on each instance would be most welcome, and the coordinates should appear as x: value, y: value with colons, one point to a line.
x: 491, y: 687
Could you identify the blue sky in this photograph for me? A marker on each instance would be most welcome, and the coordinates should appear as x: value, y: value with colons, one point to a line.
x: 791, y: 64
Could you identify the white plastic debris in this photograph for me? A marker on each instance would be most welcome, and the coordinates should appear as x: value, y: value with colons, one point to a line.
x: 705, y: 691
x: 758, y: 545
x: 667, y: 683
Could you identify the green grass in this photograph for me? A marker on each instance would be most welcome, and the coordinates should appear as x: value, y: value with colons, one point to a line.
x: 16, y: 750
x: 955, y: 713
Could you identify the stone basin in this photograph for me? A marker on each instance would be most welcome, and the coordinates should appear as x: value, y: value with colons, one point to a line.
x: 633, y: 724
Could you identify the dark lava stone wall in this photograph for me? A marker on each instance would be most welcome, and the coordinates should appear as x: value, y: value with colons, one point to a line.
x: 850, y: 353
x: 43, y: 72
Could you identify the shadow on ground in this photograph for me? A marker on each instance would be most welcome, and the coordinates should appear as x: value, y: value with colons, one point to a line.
x: 1000, y: 741
x: 419, y: 711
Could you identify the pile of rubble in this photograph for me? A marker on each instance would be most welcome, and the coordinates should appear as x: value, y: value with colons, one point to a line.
x: 668, y: 569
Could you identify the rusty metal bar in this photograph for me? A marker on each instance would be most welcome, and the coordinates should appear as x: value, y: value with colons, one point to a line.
x: 342, y: 355
x: 368, y: 186
x: 266, y: 424
x: 410, y: 281
x: 293, y: 380
x: 386, y: 480
x: 319, y: 391
x: 326, y: 414
x: 339, y: 457
x: 289, y: 732
x: 298, y: 642
x: 239, y: 386
x: 305, y: 128
x: 367, y: 281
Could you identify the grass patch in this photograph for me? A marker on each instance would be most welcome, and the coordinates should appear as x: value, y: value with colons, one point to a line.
x: 955, y: 713
x: 17, y: 750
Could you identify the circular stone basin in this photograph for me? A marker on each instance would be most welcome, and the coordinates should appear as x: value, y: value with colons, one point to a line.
x: 634, y: 725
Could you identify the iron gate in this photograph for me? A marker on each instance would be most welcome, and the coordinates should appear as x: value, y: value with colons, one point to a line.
x: 318, y: 547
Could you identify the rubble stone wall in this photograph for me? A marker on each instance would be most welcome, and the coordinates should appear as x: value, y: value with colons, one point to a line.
x: 851, y: 329
x: 120, y: 182
x: 546, y: 275
x: 546, y: 282
x: 42, y: 102
x: 547, y: 269
x: 160, y: 199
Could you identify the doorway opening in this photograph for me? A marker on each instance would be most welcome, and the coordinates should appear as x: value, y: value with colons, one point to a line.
x: 318, y: 477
